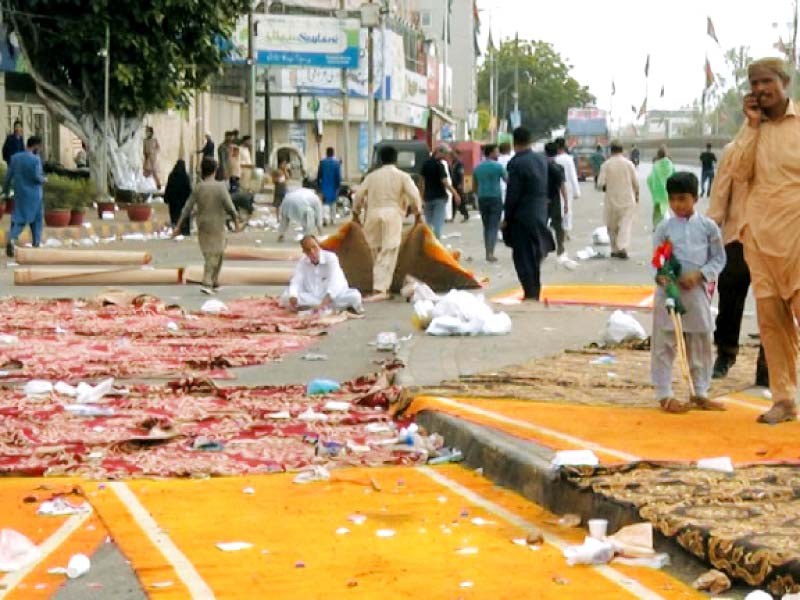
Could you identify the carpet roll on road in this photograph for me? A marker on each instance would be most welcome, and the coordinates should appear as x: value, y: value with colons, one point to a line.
x: 255, y: 253
x: 55, y: 256
x: 96, y: 276
x: 243, y: 275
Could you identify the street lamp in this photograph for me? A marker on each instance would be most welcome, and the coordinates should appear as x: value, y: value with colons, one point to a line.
x: 105, y: 53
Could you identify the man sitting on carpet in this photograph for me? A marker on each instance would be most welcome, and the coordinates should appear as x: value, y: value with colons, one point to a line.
x: 319, y: 282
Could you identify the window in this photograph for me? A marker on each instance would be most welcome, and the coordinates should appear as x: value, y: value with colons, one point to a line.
x: 425, y: 18
x: 406, y: 160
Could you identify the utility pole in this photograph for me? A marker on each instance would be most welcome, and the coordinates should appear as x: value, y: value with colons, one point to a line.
x: 267, y: 120
x: 251, y: 65
x: 516, y: 75
x: 106, y: 90
x: 370, y: 92
x: 384, y: 15
x: 492, y: 129
x: 345, y: 110
x: 446, y: 53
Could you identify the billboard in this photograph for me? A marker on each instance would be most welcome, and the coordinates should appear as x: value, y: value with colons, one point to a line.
x: 291, y: 40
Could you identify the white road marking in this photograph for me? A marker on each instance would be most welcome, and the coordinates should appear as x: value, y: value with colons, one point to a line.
x: 564, y: 437
x: 629, y: 585
x: 68, y: 527
x: 185, y: 570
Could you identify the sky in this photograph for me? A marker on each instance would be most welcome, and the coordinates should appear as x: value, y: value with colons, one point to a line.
x: 607, y: 40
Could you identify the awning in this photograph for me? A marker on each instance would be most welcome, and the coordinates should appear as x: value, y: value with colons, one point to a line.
x: 443, y: 115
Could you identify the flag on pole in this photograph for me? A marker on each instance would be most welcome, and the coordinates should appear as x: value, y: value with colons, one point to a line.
x: 647, y: 67
x: 709, y: 74
x: 662, y: 91
x: 633, y: 109
x: 710, y: 30
x: 613, y: 88
x: 490, y: 43
x: 643, y: 109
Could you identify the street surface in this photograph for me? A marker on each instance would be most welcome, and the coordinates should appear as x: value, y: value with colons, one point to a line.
x: 537, y: 330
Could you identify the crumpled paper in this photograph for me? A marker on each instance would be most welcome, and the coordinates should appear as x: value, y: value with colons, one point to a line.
x: 713, y: 582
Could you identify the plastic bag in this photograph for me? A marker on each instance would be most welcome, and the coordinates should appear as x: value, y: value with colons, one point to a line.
x: 591, y: 552
x: 462, y: 313
x: 213, y: 307
x: 37, y: 387
x: 600, y: 237
x: 423, y: 314
x: 322, y: 386
x: 622, y: 326
x: 16, y: 551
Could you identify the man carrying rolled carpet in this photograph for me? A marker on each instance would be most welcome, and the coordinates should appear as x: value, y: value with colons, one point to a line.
x: 319, y: 282
x: 213, y: 204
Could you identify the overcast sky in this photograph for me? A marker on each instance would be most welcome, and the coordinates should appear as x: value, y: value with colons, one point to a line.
x: 610, y: 39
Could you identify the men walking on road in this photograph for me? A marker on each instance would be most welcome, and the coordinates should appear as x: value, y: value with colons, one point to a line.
x: 329, y: 178
x: 457, y: 177
x: 213, y: 204
x: 707, y: 160
x: 726, y: 209
x: 556, y: 195
x: 489, y: 177
x: 26, y: 175
x: 435, y: 186
x: 525, y: 226
x: 766, y: 155
x: 566, y: 161
x: 14, y: 143
x: 597, y: 159
x: 619, y: 180
x: 387, y: 193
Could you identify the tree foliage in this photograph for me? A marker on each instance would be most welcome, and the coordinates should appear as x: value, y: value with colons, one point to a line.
x: 546, y: 88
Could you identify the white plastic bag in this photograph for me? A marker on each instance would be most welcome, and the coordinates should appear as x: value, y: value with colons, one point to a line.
x: 600, y: 237
x: 16, y: 551
x: 423, y: 314
x: 37, y: 387
x: 213, y: 307
x: 88, y: 394
x: 591, y: 552
x: 462, y: 313
x: 622, y: 326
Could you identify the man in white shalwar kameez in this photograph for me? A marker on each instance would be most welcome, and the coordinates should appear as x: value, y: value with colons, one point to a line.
x: 319, y: 282
x: 567, y: 162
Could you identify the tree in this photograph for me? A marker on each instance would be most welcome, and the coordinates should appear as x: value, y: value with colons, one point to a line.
x: 546, y: 88
x: 160, y: 51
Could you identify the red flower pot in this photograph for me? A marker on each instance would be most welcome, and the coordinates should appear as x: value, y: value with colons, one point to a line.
x: 104, y: 207
x: 139, y: 212
x: 76, y: 217
x: 57, y: 217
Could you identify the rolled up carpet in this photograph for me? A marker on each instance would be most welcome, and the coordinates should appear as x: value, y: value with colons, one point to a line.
x: 423, y: 257
x: 243, y: 275
x: 54, y: 256
x: 256, y: 253
x: 355, y: 257
x: 96, y: 276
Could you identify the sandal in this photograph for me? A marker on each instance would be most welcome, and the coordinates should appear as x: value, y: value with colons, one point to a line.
x: 779, y: 413
x: 671, y: 405
x: 703, y: 403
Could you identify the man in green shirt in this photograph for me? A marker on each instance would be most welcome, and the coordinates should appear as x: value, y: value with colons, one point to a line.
x: 597, y: 160
x: 487, y: 177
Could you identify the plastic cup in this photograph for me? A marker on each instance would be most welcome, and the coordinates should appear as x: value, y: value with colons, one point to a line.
x: 598, y: 528
x: 78, y: 565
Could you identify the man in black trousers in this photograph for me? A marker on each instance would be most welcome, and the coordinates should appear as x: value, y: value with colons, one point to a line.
x: 525, y: 228
x: 726, y: 209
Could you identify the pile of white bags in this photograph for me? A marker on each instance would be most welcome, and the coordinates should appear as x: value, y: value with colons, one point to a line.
x: 457, y: 313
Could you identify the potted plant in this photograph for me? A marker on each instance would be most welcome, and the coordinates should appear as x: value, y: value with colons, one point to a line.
x: 139, y: 210
x: 80, y: 197
x: 57, y: 201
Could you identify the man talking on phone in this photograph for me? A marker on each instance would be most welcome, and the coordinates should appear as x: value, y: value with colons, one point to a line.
x: 766, y: 155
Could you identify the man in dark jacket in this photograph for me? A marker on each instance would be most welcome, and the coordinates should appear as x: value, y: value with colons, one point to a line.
x: 525, y: 226
x: 457, y: 175
x: 14, y: 143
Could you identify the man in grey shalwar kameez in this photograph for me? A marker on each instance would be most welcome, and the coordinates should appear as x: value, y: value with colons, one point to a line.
x: 697, y: 244
x: 214, y: 205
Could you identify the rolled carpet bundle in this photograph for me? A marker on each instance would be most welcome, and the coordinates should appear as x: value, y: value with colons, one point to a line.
x: 243, y: 275
x: 423, y: 257
x: 355, y: 257
x: 96, y: 276
x: 53, y: 256
x: 256, y: 253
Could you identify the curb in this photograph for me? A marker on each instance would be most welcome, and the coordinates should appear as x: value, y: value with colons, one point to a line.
x: 89, y: 230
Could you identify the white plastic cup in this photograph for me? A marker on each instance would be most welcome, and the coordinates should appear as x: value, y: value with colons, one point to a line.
x: 78, y: 565
x: 598, y: 528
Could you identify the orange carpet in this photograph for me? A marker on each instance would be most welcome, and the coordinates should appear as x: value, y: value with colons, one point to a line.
x: 617, y: 296
x: 418, y: 539
x: 627, y: 434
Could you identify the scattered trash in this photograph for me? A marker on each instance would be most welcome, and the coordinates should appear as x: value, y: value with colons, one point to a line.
x: 161, y: 584
x: 442, y: 499
x: 342, y: 531
x: 282, y: 414
x: 88, y: 410
x: 385, y: 533
x: 622, y: 326
x: 767, y: 394
x: 720, y: 463
x: 600, y: 237
x: 560, y: 580
x: 463, y: 313
x: 173, y: 326
x: 8, y: 340
x: 337, y: 406
x: 357, y: 519
x: 606, y: 359
x: 566, y: 262
x: 453, y: 235
x: 52, y: 243
x: 213, y: 307
x: 315, y: 473
x: 634, y: 541
x: 387, y: 341
x: 713, y: 582
x: 299, y: 564
x: 204, y: 444
x: 37, y: 387
x: 377, y: 428
x: 447, y: 455
x: 352, y: 583
x: 322, y: 386
x: 65, y: 389
x: 248, y: 490
x: 598, y: 528
x: 88, y: 394
x: 233, y: 546
x: 657, y: 561
x: 78, y: 565
x: 586, y: 253
x: 466, y: 584
x: 569, y: 520
x: 60, y: 506
x: 564, y: 458
x: 760, y: 595
x: 16, y: 551
x: 480, y: 521
x: 535, y: 537
x: 314, y: 357
x: 591, y: 552
x: 357, y: 448
x: 467, y: 551
x: 310, y: 415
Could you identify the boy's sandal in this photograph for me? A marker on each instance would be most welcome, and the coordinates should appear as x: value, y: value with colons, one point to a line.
x: 703, y: 403
x: 671, y: 405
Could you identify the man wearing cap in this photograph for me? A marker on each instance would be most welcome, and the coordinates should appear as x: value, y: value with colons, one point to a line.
x: 618, y: 178
x: 766, y: 156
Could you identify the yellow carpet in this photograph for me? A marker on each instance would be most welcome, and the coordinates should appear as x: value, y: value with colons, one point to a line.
x: 639, y: 433
x: 622, y: 296
x: 435, y: 549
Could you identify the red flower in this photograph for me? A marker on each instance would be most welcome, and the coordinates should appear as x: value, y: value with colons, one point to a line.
x: 662, y: 254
